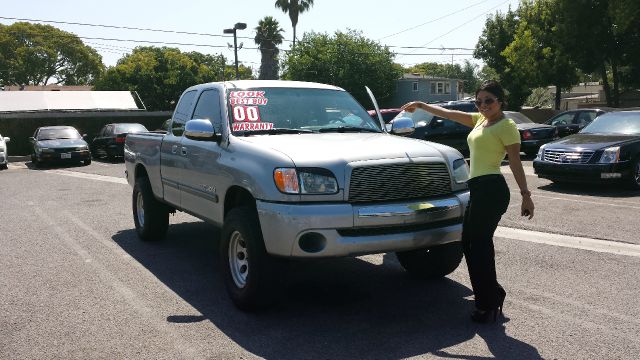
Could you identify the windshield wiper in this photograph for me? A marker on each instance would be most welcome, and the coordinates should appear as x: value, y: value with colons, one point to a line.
x: 274, y: 131
x: 343, y: 129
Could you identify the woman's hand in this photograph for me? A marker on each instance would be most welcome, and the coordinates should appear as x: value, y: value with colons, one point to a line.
x: 527, y: 206
x: 412, y: 106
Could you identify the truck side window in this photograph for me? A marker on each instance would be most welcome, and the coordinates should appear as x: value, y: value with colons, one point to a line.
x: 182, y: 113
x: 208, y: 107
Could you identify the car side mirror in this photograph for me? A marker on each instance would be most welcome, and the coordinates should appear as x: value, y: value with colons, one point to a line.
x: 402, y: 126
x: 200, y: 129
x: 437, y: 123
x: 7, y: 139
x: 32, y: 139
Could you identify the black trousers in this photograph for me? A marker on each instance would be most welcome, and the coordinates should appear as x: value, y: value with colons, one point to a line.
x: 489, y: 200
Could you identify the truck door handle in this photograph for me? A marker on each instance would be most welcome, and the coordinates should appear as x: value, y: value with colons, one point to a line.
x: 184, y: 151
x: 174, y: 149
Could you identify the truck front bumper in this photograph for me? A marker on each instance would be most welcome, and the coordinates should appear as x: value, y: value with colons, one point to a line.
x: 333, y: 230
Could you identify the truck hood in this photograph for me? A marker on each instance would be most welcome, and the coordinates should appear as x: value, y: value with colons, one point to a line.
x: 307, y: 149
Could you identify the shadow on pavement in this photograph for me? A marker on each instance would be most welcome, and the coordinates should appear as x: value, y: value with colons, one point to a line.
x: 331, y: 309
x: 594, y: 190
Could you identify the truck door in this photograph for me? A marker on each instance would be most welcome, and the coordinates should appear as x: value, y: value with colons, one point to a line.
x: 171, y: 158
x: 202, y: 175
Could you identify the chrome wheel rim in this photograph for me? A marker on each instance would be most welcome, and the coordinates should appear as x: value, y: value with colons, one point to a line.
x: 140, y: 209
x: 238, y: 259
x: 638, y: 172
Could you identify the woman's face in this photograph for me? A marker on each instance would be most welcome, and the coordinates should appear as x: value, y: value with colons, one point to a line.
x: 488, y: 105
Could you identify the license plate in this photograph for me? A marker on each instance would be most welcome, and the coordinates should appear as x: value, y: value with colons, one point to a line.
x: 65, y: 156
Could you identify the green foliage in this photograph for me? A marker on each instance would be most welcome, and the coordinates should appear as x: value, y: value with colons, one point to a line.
x: 268, y: 37
x: 35, y: 54
x: 294, y: 8
x: 348, y: 60
x: 540, y: 98
x: 160, y: 75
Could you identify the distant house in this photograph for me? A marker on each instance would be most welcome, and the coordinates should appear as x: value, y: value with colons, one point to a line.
x: 429, y: 89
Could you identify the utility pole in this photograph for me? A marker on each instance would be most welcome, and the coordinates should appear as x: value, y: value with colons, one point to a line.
x: 236, y: 27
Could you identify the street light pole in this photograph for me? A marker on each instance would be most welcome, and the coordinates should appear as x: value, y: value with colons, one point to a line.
x: 236, y: 27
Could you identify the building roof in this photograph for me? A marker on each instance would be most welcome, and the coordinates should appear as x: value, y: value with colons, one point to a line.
x: 19, y: 101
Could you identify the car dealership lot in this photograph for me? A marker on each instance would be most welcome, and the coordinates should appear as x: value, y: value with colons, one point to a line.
x: 75, y: 282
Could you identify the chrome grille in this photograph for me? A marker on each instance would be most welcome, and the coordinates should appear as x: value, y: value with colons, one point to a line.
x: 398, y: 182
x: 65, y: 150
x: 567, y: 156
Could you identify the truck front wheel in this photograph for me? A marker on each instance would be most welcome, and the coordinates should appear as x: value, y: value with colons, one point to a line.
x: 150, y: 216
x: 433, y: 262
x: 248, y: 271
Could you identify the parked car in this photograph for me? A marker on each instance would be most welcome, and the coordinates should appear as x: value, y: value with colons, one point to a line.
x: 109, y: 142
x: 57, y: 144
x: 532, y: 135
x: 606, y: 150
x: 4, y: 157
x: 571, y: 121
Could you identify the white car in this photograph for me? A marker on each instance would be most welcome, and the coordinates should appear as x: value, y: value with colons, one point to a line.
x: 4, y: 159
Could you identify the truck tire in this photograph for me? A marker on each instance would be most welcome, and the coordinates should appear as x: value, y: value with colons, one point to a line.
x: 634, y: 180
x: 150, y: 216
x: 249, y: 273
x: 433, y: 262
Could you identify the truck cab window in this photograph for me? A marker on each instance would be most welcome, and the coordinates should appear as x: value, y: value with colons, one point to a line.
x: 182, y: 113
x: 208, y: 107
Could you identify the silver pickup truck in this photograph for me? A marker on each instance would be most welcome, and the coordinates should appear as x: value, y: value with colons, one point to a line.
x: 294, y: 169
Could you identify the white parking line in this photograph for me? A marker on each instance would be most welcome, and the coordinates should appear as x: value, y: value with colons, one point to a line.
x: 605, y: 246
x: 110, y: 179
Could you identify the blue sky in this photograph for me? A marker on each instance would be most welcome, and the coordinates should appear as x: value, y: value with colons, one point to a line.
x: 398, y: 24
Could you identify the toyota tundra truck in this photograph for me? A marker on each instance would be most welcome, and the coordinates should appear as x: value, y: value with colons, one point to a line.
x: 292, y: 169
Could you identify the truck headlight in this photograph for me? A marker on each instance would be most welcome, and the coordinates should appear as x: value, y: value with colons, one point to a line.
x: 305, y: 181
x: 540, y: 152
x: 610, y: 155
x: 460, y: 171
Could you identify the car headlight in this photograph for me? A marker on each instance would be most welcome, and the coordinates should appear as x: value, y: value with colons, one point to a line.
x: 460, y: 171
x: 82, y: 148
x: 540, y: 152
x: 305, y: 181
x: 610, y: 155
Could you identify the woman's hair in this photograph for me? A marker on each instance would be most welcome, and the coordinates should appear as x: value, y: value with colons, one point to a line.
x: 493, y: 87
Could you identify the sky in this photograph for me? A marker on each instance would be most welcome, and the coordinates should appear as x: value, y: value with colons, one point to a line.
x: 417, y: 31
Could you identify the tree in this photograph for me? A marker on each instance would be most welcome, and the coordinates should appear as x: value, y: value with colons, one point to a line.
x: 160, y: 75
x: 268, y: 37
x: 498, y: 33
x: 535, y: 49
x: 347, y: 60
x: 294, y: 8
x: 35, y: 54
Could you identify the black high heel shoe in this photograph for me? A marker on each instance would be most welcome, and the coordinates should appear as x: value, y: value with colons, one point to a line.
x: 485, y: 316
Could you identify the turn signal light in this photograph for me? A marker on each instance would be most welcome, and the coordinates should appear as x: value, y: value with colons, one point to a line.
x: 286, y: 180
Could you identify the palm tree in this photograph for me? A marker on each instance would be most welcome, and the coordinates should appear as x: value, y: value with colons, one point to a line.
x: 268, y: 36
x: 294, y: 8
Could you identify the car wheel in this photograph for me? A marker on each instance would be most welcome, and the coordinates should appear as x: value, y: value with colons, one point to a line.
x: 249, y: 273
x: 634, y: 179
x: 4, y: 166
x: 151, y: 217
x: 433, y: 262
x: 87, y: 162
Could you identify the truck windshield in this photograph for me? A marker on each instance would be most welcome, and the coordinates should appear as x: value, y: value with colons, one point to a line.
x: 296, y: 110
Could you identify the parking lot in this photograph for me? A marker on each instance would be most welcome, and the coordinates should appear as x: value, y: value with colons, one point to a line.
x: 75, y: 282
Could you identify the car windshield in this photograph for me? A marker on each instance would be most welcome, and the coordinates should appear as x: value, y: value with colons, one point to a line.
x: 517, y: 117
x: 130, y: 128
x: 624, y: 123
x: 296, y: 110
x: 64, y: 133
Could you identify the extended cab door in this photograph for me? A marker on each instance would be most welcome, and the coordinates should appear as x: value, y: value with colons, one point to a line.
x: 202, y: 176
x: 171, y: 158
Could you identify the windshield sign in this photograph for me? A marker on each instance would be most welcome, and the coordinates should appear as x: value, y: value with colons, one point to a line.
x: 296, y: 110
x: 624, y: 123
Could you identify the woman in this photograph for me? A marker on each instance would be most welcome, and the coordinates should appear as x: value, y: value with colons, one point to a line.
x: 491, y: 136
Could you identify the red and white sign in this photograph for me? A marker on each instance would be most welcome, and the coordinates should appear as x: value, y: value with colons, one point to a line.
x: 248, y: 101
x: 247, y: 94
x: 243, y: 126
x: 246, y: 113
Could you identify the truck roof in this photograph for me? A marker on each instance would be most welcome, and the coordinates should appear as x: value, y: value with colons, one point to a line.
x: 246, y: 84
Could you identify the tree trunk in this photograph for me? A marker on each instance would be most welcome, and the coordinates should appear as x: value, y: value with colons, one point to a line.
x: 616, y: 92
x: 558, y: 96
x: 294, y: 37
x: 605, y: 83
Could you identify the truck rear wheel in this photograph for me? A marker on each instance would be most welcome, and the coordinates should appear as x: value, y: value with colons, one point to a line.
x: 248, y: 271
x: 150, y: 216
x: 433, y: 262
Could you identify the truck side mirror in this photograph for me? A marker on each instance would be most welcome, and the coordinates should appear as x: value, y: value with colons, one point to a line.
x: 200, y: 129
x: 7, y: 139
x: 402, y: 126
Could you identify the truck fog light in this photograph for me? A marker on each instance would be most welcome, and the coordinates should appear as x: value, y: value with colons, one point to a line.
x: 312, y: 242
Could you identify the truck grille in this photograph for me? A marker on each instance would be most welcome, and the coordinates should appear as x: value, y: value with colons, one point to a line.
x: 399, y: 182
x: 567, y: 156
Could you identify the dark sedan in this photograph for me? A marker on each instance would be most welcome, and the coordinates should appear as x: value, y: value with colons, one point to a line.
x: 57, y: 144
x: 110, y: 140
x: 607, y: 150
x: 532, y: 135
x: 571, y: 121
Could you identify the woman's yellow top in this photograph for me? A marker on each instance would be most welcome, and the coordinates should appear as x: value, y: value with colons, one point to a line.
x: 487, y: 144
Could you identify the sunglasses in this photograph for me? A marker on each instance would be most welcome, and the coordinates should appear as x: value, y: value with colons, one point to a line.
x: 487, y: 101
